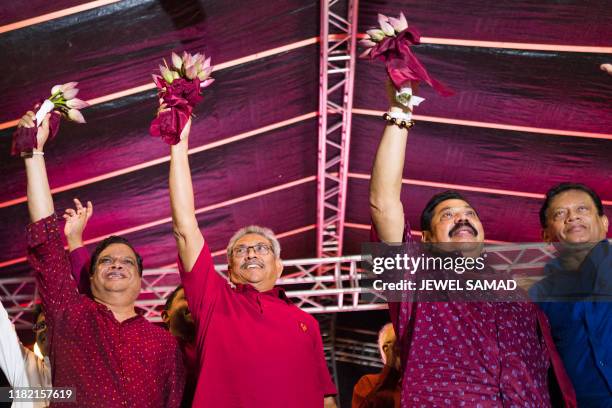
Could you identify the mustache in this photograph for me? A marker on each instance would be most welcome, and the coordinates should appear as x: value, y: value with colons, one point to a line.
x: 461, y: 225
x: 251, y: 262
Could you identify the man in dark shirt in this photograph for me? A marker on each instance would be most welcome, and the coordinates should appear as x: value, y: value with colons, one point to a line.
x: 576, y: 293
x: 101, y: 347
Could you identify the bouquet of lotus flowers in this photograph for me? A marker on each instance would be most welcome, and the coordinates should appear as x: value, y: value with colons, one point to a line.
x: 391, y: 44
x: 62, y: 102
x: 179, y: 91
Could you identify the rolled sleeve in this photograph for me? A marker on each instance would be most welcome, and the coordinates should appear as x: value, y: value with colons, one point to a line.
x: 79, y: 266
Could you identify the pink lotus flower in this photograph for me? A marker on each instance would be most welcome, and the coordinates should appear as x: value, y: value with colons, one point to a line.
x: 62, y: 102
x: 63, y: 98
x: 391, y: 44
x: 389, y: 27
x: 179, y: 91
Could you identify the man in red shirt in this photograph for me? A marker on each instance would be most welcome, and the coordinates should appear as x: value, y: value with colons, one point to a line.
x: 256, y: 349
x: 487, y: 354
x: 99, y: 346
x: 175, y: 314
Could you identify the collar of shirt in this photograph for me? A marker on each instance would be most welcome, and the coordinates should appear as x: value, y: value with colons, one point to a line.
x: 105, y: 309
x: 275, y: 292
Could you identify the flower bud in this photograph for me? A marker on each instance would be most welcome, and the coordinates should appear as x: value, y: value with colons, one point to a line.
x: 376, y: 35
x: 76, y: 103
x: 191, y: 72
x: 176, y: 61
x: 75, y: 115
x: 387, y: 28
x: 70, y: 93
x: 166, y: 74
x: 399, y: 24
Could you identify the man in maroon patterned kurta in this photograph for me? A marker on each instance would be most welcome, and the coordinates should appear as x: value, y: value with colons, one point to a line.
x: 109, y: 354
x: 473, y: 354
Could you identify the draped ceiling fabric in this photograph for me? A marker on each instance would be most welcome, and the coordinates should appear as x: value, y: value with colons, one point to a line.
x: 246, y: 173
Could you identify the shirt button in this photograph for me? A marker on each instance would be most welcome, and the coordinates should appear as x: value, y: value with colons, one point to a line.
x: 601, y: 363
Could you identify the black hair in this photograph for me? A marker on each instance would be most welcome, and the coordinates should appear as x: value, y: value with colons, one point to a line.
x: 171, y: 297
x: 37, y: 311
x: 433, y: 202
x: 113, y: 239
x: 562, y: 187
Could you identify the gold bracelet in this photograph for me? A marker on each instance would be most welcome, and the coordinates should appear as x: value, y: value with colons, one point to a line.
x: 402, y: 124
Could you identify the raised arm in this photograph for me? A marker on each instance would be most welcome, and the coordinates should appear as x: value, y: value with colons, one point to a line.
x: 45, y: 248
x: 76, y: 221
x: 386, y: 183
x: 40, y: 203
x: 188, y: 237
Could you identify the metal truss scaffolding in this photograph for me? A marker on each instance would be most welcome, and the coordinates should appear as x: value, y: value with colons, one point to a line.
x: 341, y: 288
x: 337, y: 75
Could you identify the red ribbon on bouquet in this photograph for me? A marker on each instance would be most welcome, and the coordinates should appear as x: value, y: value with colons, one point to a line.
x: 24, y: 139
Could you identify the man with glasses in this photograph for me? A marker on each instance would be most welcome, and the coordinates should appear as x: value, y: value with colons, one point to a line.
x: 256, y: 348
x: 100, y: 346
x: 175, y: 315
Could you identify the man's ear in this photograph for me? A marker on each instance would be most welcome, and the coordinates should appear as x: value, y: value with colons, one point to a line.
x: 229, y: 272
x: 605, y: 221
x: 279, y: 268
x: 426, y: 237
x: 164, y: 316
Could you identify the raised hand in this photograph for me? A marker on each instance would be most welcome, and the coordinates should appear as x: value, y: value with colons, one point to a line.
x: 76, y: 221
x: 29, y: 121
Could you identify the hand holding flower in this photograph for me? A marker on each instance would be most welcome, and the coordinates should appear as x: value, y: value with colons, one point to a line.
x: 179, y: 91
x: 35, y: 128
x: 27, y: 124
x: 391, y: 44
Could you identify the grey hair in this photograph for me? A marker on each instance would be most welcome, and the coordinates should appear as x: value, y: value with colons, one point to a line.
x: 267, y: 233
x: 381, y: 340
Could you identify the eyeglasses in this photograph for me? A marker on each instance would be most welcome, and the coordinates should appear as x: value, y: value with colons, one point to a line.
x: 242, y: 250
x: 40, y: 326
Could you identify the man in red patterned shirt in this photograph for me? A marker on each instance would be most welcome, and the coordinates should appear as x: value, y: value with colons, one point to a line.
x: 101, y: 347
x: 461, y: 353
